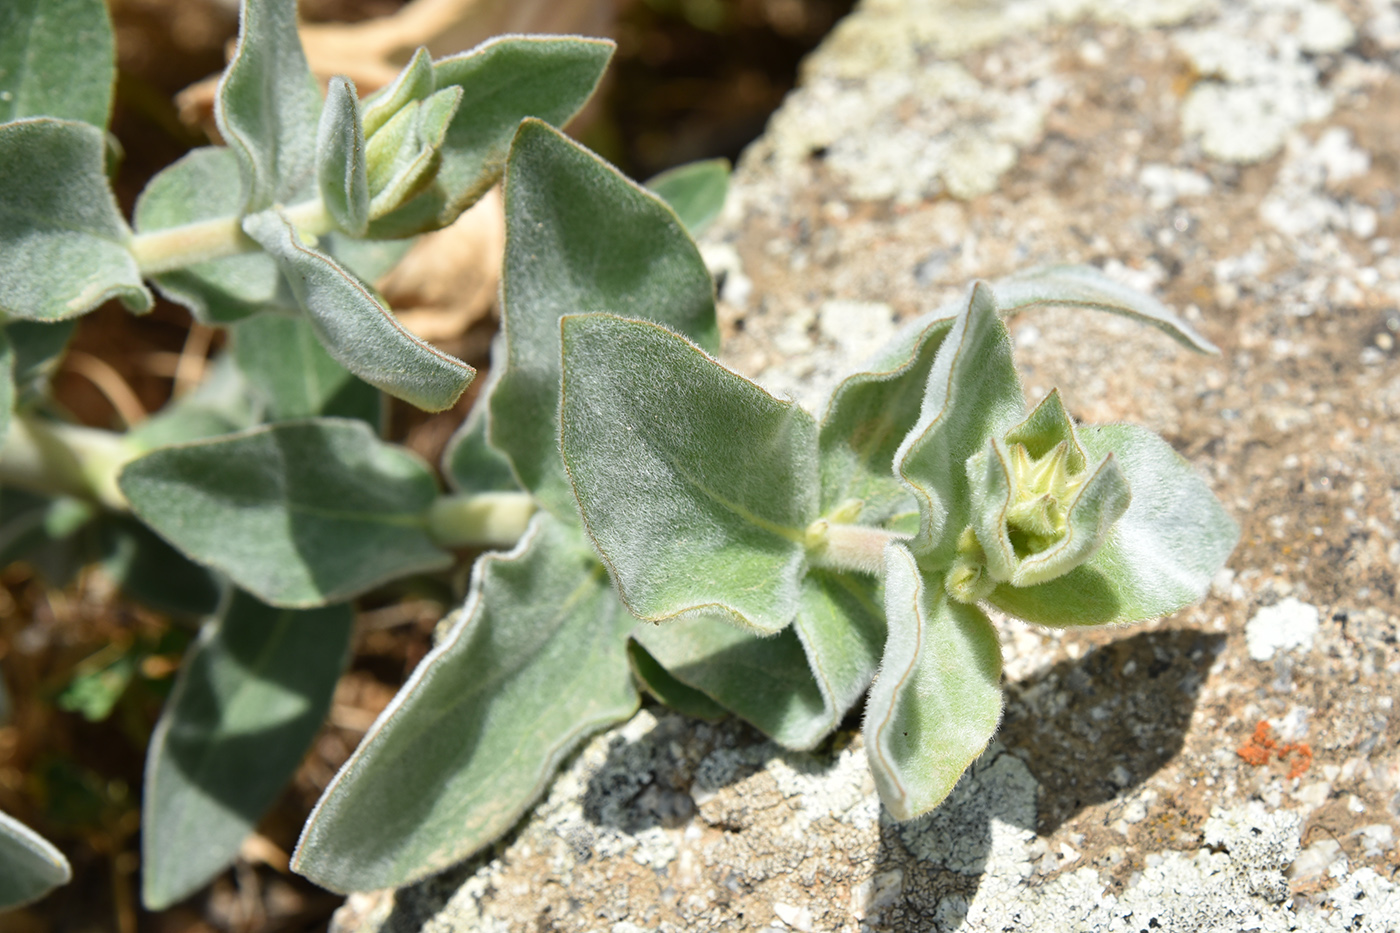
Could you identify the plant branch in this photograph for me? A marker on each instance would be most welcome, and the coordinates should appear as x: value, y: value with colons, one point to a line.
x: 217, y: 238
x: 855, y: 548
x: 53, y: 458
x: 480, y: 520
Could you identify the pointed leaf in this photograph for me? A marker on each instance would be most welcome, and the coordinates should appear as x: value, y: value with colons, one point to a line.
x: 533, y: 663
x: 415, y: 82
x: 30, y: 865
x: 1087, y: 287
x: 695, y: 484
x: 973, y: 394
x: 355, y: 327
x: 288, y: 367
x: 340, y: 159
x: 1160, y: 556
x: 470, y: 463
x: 269, y: 106
x: 250, y: 696
x: 695, y: 191
x: 937, y: 699
x: 57, y: 59
x: 401, y: 174
x: 868, y: 418
x: 63, y: 243
x: 765, y: 681
x: 300, y: 514
x: 503, y: 81
x: 579, y: 237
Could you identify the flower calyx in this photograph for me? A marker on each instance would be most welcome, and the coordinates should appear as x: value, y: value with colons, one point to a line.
x: 1039, y: 508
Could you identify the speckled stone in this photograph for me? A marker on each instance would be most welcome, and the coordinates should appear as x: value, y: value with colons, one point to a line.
x: 1239, y: 160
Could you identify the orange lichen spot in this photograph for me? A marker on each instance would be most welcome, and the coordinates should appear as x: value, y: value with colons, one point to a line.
x: 1261, y: 746
x: 1257, y: 749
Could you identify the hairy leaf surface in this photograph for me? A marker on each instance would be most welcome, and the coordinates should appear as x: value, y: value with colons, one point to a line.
x: 1160, y: 555
x: 269, y: 106
x: 470, y: 463
x: 341, y: 172
x: 695, y: 191
x: 503, y: 80
x: 1087, y: 287
x: 869, y: 415
x: 250, y: 696
x: 57, y: 59
x: 300, y: 514
x: 355, y: 327
x: 695, y: 484
x: 532, y: 664
x: 285, y: 363
x: 973, y: 394
x: 937, y: 699
x: 30, y: 865
x: 579, y: 237
x: 63, y: 242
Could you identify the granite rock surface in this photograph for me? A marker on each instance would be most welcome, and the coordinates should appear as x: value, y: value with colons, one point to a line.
x: 1235, y: 766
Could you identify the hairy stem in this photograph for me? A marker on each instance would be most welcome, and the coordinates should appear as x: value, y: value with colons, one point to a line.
x: 856, y: 548
x: 482, y: 520
x: 177, y: 247
x: 53, y: 458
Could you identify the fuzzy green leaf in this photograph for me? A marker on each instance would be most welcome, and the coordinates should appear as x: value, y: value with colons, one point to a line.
x: 57, y: 59
x: 415, y: 82
x: 249, y: 698
x: 796, y: 686
x: 300, y: 514
x: 1161, y: 554
x: 765, y: 681
x: 532, y: 664
x: 340, y: 159
x: 869, y: 415
x: 695, y: 191
x: 152, y: 572
x: 297, y: 378
x: 30, y: 865
x: 269, y: 107
x: 1087, y: 287
x: 696, y: 485
x: 937, y: 699
x: 38, y: 347
x: 973, y: 394
x: 667, y: 689
x: 579, y: 237
x: 503, y: 81
x: 470, y: 463
x: 355, y: 327
x: 63, y: 243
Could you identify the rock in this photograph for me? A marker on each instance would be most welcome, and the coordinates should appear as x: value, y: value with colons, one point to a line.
x: 1239, y: 161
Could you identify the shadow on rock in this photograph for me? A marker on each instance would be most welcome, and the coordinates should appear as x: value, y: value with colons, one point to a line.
x: 1090, y: 729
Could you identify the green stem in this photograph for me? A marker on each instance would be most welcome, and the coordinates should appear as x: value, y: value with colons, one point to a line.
x: 481, y: 520
x: 219, y: 237
x: 53, y: 458
x: 853, y: 548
